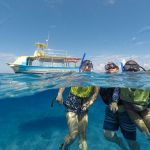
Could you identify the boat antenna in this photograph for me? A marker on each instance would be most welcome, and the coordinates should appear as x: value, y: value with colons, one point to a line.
x: 47, y: 40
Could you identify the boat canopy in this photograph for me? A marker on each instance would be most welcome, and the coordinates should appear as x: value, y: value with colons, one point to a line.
x: 41, y: 45
x: 71, y: 59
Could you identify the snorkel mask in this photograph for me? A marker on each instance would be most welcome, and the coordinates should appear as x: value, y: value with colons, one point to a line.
x: 111, y: 66
x: 132, y: 66
x: 86, y: 63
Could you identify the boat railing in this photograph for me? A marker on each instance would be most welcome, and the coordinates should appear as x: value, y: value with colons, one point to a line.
x: 52, y: 52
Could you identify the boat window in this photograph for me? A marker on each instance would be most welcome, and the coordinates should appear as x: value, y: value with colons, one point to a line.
x: 54, y: 64
x: 72, y: 64
x: 36, y: 63
x: 58, y: 65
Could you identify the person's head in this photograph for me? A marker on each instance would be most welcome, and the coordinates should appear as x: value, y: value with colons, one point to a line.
x: 132, y: 66
x: 86, y: 66
x: 111, y: 67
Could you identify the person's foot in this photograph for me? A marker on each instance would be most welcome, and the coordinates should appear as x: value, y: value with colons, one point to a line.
x: 61, y: 147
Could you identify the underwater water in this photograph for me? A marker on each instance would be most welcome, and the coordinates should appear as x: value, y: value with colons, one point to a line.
x: 28, y: 122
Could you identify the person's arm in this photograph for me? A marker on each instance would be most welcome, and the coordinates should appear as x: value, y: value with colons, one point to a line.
x: 59, y: 97
x: 91, y: 100
x: 149, y: 101
x: 115, y: 98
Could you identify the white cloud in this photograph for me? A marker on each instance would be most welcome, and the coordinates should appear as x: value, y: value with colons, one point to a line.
x: 52, y: 26
x: 110, y: 2
x: 144, y: 29
x: 139, y: 43
x: 134, y: 38
x: 4, y: 59
x: 100, y: 61
x: 53, y: 3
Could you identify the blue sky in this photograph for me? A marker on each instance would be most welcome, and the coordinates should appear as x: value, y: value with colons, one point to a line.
x: 97, y: 27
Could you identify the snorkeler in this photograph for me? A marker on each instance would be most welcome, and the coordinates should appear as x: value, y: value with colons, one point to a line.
x: 117, y: 117
x: 135, y: 101
x: 77, y: 105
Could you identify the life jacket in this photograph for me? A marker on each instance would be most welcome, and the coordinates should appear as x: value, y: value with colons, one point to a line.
x: 82, y: 92
x: 106, y: 94
x: 135, y: 96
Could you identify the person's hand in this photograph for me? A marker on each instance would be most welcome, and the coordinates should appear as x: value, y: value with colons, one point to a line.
x: 83, y: 108
x: 113, y: 107
x: 59, y: 99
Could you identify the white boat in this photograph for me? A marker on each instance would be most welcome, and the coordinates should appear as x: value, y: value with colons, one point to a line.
x: 46, y: 60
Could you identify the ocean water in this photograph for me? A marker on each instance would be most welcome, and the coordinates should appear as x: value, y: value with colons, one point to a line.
x: 28, y: 122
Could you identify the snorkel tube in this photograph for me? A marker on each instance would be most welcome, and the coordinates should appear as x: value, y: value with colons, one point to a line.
x: 121, y: 67
x: 82, y: 62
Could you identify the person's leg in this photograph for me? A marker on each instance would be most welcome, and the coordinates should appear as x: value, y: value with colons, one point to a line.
x: 83, y: 123
x: 113, y: 137
x: 72, y: 119
x: 111, y: 125
x: 146, y: 117
x: 128, y: 130
x: 137, y: 119
x: 133, y: 145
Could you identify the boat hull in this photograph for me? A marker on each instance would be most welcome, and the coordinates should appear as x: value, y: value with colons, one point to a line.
x: 41, y: 69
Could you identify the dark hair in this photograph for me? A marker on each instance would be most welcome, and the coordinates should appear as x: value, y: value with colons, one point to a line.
x: 87, y: 62
x: 111, y: 65
x: 132, y: 65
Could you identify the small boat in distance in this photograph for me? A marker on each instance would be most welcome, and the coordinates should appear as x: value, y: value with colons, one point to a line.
x: 46, y: 60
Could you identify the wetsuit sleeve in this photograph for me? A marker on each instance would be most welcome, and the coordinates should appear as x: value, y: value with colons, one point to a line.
x: 115, y: 96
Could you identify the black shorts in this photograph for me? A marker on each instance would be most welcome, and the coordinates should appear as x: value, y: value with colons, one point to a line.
x: 74, y: 104
x: 114, y: 121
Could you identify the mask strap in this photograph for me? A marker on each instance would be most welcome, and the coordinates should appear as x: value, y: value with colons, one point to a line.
x: 142, y: 68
